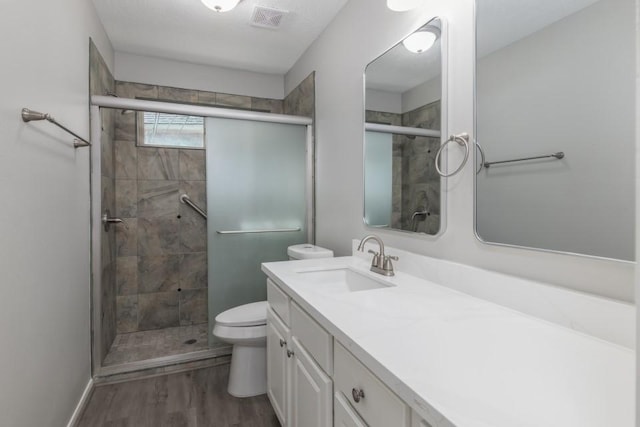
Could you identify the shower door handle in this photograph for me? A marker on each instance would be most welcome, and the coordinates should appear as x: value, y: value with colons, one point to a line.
x: 271, y: 230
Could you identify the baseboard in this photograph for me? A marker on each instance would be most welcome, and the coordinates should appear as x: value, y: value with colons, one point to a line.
x: 77, y: 413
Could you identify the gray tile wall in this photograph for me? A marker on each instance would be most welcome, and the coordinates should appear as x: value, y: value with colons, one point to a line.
x: 161, y: 272
x: 415, y: 181
x: 301, y: 101
x: 100, y: 82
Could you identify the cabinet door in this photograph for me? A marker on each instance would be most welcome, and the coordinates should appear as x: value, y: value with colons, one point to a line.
x: 277, y: 366
x: 343, y: 413
x: 311, y: 390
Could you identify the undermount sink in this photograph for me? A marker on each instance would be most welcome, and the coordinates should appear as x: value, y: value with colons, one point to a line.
x: 340, y: 280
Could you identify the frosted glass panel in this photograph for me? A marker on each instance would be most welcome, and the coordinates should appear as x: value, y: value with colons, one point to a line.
x: 256, y: 180
x: 378, y: 168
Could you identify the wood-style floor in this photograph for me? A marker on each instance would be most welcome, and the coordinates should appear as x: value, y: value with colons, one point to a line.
x: 189, y: 399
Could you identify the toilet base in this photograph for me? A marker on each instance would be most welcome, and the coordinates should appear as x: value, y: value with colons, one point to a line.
x: 248, y: 372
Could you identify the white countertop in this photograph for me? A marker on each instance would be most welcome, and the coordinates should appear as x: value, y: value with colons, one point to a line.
x: 468, y: 362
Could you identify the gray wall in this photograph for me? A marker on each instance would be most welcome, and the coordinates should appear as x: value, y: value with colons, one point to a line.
x: 165, y: 72
x: 339, y: 57
x: 44, y: 224
x: 565, y: 88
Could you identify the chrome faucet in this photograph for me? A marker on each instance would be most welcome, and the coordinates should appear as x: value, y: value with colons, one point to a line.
x: 380, y: 263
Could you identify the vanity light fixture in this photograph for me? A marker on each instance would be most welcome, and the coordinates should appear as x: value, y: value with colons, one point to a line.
x: 420, y: 41
x: 220, y: 5
x: 403, y: 5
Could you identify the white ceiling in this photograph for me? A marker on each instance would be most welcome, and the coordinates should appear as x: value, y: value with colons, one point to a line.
x: 185, y: 30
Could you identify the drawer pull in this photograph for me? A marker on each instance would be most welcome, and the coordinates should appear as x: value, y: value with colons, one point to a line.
x: 282, y: 343
x: 289, y: 353
x: 357, y: 394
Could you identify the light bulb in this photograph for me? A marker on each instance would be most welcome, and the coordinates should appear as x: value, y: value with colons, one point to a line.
x: 220, y: 5
x: 402, y: 5
x: 419, y: 42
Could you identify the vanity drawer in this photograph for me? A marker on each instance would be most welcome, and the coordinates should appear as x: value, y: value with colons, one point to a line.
x: 313, y: 337
x: 377, y: 404
x: 417, y: 421
x: 279, y: 301
x: 343, y: 413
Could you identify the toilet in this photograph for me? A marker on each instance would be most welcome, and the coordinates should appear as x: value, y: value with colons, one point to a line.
x: 245, y: 327
x: 308, y: 251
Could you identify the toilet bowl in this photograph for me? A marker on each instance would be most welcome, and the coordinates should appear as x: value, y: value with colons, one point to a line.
x: 245, y: 327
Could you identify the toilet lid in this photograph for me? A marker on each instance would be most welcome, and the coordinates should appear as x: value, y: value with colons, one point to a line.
x: 253, y: 314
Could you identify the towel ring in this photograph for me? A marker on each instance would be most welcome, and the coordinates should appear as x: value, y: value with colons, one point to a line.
x: 481, y: 151
x: 462, y: 139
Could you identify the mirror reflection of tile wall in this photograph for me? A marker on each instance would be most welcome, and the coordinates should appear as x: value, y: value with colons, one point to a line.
x: 415, y: 182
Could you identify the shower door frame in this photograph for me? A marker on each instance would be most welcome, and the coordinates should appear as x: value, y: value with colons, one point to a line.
x: 98, y: 102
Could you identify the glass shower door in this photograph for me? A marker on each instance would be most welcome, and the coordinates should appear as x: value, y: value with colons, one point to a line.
x: 256, y: 202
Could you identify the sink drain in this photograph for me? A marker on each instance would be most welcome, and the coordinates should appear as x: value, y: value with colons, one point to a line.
x: 191, y: 341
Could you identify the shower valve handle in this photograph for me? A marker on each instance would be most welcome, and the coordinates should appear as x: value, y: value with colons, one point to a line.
x: 107, y: 220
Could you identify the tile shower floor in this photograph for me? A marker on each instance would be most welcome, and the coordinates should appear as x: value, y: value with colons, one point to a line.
x: 144, y: 345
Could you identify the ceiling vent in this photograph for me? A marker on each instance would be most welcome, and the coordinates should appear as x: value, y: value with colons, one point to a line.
x: 266, y: 17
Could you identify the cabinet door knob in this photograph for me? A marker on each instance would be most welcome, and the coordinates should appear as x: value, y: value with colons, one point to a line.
x: 357, y: 394
x: 282, y: 343
x: 289, y: 353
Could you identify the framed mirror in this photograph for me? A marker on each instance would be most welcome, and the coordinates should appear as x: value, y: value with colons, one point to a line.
x: 403, y: 126
x: 555, y: 106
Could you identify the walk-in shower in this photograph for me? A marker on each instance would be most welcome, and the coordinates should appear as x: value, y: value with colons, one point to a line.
x: 193, y: 226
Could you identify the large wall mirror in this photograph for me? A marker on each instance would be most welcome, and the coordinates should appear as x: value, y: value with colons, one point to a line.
x: 403, y: 121
x: 555, y: 93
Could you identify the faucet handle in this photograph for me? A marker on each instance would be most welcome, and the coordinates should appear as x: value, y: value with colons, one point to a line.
x: 387, y: 265
x: 375, y: 261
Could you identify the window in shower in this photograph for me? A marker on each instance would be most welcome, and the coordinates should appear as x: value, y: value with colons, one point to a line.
x: 170, y: 130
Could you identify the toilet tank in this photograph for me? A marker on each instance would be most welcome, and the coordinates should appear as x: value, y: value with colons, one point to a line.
x: 308, y: 251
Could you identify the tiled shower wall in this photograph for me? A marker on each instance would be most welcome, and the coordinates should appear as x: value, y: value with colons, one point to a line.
x: 416, y: 183
x: 302, y: 100
x: 161, y: 247
x: 100, y: 83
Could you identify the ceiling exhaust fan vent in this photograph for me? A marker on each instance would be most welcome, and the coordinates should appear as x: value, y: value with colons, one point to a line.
x: 266, y: 17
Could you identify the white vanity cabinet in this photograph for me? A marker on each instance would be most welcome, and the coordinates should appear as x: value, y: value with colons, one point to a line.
x: 278, y: 365
x: 298, y: 357
x: 314, y: 381
x: 343, y: 414
x: 416, y: 421
x: 311, y: 388
x: 376, y: 404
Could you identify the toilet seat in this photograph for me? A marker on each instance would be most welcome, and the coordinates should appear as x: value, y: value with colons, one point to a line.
x: 253, y: 314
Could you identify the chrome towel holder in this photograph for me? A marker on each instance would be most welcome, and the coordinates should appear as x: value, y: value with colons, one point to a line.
x: 30, y: 115
x: 463, y: 140
x: 559, y: 155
